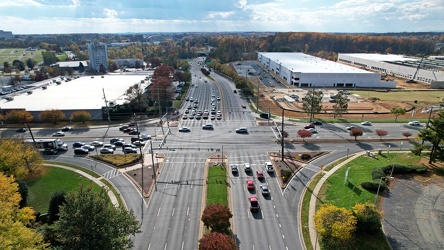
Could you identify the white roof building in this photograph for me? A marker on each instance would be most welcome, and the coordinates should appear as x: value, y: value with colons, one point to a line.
x: 81, y: 94
x: 303, y: 70
x: 427, y: 70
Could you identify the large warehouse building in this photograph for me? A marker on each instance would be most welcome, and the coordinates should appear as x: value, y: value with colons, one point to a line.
x: 86, y: 93
x: 302, y: 70
x: 427, y: 70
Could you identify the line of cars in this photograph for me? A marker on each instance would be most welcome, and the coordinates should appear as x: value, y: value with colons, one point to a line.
x: 110, y: 148
x: 253, y: 199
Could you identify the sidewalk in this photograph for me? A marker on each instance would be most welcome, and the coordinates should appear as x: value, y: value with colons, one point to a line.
x: 312, y: 209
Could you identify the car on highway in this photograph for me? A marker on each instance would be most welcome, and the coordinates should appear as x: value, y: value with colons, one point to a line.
x: 129, y: 150
x: 208, y: 126
x: 184, y: 117
x: 127, y: 130
x: 60, y: 133
x: 106, y: 151
x: 350, y: 127
x: 77, y: 144
x: 247, y: 167
x: 96, y: 143
x: 80, y: 151
x: 114, y: 140
x: 254, y: 204
x: 260, y: 175
x: 414, y: 123
x: 88, y: 147
x: 21, y: 130
x: 111, y: 146
x: 312, y: 130
x: 184, y: 129
x: 311, y: 125
x: 139, y: 143
x: 366, y: 123
x: 123, y: 127
x: 66, y: 129
x: 145, y: 137
x: 119, y: 143
x: 250, y: 184
x: 317, y: 122
x: 264, y: 190
x: 234, y: 169
x: 242, y: 130
x: 134, y: 132
x: 269, y: 167
x: 243, y: 106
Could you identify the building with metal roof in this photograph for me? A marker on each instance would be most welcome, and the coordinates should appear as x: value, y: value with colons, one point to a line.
x: 85, y: 93
x: 302, y: 70
x: 427, y: 70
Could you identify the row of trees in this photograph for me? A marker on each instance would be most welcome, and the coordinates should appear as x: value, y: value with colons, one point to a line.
x: 217, y: 217
x: 82, y: 219
x: 50, y: 116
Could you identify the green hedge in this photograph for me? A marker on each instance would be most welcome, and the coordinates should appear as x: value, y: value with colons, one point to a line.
x: 372, y: 186
x: 404, y: 169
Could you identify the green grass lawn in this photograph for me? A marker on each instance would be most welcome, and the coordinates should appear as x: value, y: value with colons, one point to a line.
x: 406, y: 96
x: 55, y: 179
x: 217, y: 186
x: 9, y: 55
x: 335, y: 192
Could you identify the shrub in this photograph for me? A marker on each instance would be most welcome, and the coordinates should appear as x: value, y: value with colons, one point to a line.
x: 305, y: 157
x: 372, y: 186
x: 285, y: 174
x: 377, y: 173
x: 403, y: 169
x: 368, y: 217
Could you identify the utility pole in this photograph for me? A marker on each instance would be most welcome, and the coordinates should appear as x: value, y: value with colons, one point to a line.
x: 282, y: 136
x: 154, y: 167
x: 312, y: 100
x: 106, y: 104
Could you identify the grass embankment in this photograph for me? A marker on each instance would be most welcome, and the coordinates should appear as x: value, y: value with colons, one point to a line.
x: 429, y: 96
x: 335, y: 192
x: 217, y: 186
x: 54, y: 179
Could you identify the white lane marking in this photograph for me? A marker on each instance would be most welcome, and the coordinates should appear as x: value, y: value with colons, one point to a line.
x: 158, y: 212
x: 172, y: 214
x: 188, y: 211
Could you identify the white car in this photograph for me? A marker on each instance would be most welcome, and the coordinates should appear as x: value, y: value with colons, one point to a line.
x: 366, y: 123
x: 60, y: 133
x: 414, y: 123
x: 145, y: 137
x: 269, y: 167
x: 242, y: 130
x: 350, y: 127
x: 184, y: 129
x: 312, y: 130
x: 96, y: 143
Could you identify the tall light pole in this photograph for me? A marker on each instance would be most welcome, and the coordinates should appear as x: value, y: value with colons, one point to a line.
x: 154, y: 167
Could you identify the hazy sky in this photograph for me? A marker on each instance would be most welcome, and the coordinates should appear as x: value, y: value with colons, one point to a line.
x: 116, y: 16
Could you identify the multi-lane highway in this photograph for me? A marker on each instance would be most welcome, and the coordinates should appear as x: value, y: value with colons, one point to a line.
x: 170, y: 217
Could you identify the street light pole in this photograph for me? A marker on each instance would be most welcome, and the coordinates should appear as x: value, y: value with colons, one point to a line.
x: 154, y: 168
x: 282, y: 136
x: 379, y: 186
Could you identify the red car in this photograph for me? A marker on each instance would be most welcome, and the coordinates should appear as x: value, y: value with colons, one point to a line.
x: 250, y: 185
x: 254, y: 204
x: 311, y: 125
x: 260, y: 175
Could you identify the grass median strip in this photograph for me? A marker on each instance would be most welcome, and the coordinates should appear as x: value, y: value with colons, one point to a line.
x: 217, y: 186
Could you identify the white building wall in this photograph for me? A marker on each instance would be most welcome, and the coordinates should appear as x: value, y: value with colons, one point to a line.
x: 98, y: 55
x: 423, y: 75
x: 325, y: 79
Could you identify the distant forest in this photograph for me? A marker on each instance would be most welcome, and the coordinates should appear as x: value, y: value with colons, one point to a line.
x: 171, y: 48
